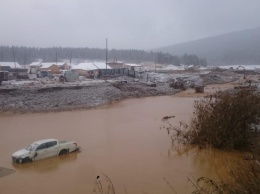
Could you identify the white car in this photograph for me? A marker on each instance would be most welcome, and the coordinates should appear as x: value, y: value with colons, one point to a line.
x: 44, y: 149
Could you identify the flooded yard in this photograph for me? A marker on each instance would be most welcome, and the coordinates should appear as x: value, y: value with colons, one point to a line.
x: 123, y: 141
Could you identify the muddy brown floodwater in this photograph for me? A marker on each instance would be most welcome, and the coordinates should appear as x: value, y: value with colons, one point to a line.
x: 123, y: 141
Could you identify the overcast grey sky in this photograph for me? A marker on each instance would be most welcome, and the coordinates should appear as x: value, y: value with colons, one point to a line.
x: 136, y: 24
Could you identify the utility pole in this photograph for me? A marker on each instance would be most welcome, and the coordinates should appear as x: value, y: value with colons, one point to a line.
x: 14, y: 57
x: 106, y: 54
x: 155, y: 61
x: 25, y: 58
x: 2, y: 55
x: 70, y: 57
x: 14, y: 62
x: 56, y: 56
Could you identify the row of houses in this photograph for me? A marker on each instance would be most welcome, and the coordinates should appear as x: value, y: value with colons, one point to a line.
x: 54, y: 68
x: 83, y: 69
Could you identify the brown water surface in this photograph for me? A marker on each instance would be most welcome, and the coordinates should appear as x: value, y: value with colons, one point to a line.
x: 123, y: 141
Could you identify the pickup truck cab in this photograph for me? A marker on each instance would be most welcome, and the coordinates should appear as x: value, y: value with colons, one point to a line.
x: 44, y: 149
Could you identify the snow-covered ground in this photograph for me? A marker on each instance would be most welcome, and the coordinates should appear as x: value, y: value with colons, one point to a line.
x: 247, y: 67
x: 184, y: 67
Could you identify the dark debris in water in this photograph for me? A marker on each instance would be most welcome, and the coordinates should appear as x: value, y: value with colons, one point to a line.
x: 167, y: 117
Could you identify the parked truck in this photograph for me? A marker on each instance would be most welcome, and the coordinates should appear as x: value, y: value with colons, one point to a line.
x: 44, y: 149
x: 69, y: 76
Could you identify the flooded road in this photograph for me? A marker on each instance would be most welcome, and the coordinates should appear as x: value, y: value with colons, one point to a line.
x: 123, y: 141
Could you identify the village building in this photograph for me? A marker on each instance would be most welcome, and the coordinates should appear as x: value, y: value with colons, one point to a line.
x: 101, y: 65
x: 116, y: 65
x: 90, y: 70
x: 85, y: 69
x: 62, y: 65
x: 34, y: 67
x: 5, y: 66
x: 104, y: 69
x: 51, y: 67
x: 14, y: 69
x: 133, y: 67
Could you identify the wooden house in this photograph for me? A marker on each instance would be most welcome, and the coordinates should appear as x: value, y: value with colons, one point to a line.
x: 52, y: 68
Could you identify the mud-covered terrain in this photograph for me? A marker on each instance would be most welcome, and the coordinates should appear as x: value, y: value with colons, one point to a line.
x: 54, y: 98
x: 27, y: 97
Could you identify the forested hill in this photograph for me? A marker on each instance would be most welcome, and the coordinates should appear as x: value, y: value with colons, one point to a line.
x: 27, y: 55
x: 240, y: 47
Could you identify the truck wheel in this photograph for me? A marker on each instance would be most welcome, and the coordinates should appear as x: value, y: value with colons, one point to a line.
x: 27, y: 160
x: 62, y: 152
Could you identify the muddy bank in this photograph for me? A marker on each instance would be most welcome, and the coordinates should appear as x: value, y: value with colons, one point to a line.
x: 60, y: 98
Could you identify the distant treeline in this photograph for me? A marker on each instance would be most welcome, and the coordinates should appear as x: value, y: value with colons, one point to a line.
x: 27, y: 55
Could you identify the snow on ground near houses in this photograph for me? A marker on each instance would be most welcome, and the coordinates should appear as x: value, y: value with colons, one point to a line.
x: 47, y: 83
x: 164, y: 77
x: 183, y: 67
x: 247, y: 67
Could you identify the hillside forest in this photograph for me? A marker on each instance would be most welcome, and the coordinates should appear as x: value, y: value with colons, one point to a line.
x: 27, y: 55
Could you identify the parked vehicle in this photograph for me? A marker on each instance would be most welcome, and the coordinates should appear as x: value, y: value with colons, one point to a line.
x: 44, y: 149
x: 69, y: 76
x: 45, y: 74
x: 3, y: 76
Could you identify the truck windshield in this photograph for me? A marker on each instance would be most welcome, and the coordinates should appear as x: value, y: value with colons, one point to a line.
x: 32, y: 147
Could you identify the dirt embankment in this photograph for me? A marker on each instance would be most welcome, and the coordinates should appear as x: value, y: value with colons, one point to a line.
x: 44, y: 99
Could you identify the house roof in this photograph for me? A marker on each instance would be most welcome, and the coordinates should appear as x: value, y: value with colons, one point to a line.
x: 102, y: 65
x: 11, y: 65
x: 60, y: 63
x: 46, y: 65
x: 35, y: 64
x: 132, y: 65
x: 85, y: 66
x: 91, y: 66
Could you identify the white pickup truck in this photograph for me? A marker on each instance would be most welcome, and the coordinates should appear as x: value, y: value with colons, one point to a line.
x: 44, y: 149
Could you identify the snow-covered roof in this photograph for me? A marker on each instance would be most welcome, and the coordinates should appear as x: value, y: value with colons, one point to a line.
x: 102, y: 65
x: 60, y: 63
x: 11, y: 65
x: 132, y: 65
x: 35, y: 64
x: 47, y: 65
x: 85, y: 66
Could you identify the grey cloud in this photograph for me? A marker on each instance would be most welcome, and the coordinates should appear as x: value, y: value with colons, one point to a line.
x: 139, y: 24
